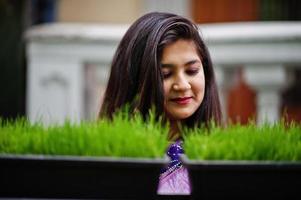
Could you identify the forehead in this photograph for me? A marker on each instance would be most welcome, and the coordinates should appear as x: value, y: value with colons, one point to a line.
x: 180, y: 51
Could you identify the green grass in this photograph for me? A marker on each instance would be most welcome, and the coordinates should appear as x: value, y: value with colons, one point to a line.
x: 122, y: 137
x: 268, y: 142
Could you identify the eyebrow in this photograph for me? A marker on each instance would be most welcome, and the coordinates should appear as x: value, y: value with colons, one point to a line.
x: 169, y: 65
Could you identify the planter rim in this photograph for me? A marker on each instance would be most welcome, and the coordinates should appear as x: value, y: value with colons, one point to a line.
x: 77, y: 158
x: 192, y: 162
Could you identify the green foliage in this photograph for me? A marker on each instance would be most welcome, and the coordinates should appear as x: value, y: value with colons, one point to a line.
x: 236, y: 142
x: 126, y: 136
x: 121, y: 137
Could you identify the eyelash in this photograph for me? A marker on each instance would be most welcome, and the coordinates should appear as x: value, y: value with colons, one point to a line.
x: 191, y: 72
x: 166, y: 75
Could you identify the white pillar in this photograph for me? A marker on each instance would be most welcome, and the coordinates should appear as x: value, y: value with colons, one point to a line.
x: 55, y: 88
x: 224, y: 81
x: 267, y: 80
x: 219, y: 76
x: 59, y: 70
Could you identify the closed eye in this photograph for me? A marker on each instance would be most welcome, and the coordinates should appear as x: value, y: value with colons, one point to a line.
x: 166, y: 74
x: 192, y: 72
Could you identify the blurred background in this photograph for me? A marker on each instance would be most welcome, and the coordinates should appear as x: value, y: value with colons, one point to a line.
x: 23, y: 47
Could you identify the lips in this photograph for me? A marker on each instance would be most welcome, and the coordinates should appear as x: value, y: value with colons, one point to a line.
x: 181, y: 100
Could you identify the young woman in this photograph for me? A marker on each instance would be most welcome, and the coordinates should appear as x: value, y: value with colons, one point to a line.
x: 162, y: 62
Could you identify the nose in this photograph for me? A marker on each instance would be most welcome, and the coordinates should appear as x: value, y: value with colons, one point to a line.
x: 181, y: 83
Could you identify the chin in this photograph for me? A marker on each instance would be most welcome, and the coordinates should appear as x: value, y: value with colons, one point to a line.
x: 182, y: 116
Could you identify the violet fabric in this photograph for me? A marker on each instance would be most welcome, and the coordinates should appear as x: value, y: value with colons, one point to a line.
x: 174, y: 178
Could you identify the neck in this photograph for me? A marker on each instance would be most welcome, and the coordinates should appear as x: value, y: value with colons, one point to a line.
x: 174, y: 131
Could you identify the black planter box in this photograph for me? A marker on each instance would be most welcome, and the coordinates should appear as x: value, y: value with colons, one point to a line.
x: 121, y: 178
x: 244, y: 179
x: 78, y: 177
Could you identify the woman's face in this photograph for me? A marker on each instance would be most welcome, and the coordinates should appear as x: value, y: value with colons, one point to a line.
x: 184, y: 80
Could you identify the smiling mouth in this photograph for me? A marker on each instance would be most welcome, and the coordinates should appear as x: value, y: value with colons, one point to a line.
x: 181, y: 100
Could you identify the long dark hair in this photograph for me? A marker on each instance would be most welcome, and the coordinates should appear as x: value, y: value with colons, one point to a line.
x: 136, y: 77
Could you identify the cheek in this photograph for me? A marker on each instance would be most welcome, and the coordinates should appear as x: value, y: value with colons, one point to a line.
x: 166, y: 88
x: 198, y: 87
